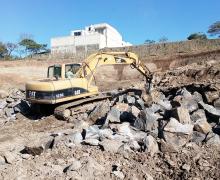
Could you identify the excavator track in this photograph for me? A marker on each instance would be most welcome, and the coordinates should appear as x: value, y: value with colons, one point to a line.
x: 63, y: 111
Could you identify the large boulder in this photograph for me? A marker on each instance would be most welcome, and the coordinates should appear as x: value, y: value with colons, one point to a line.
x: 199, y: 114
x: 76, y: 138
x: 111, y: 145
x: 147, y: 120
x: 3, y: 104
x: 177, y: 134
x: 124, y: 129
x: 99, y: 111
x: 160, y: 99
x: 213, y: 140
x: 182, y: 114
x: 201, y: 125
x: 210, y: 109
x: 113, y: 115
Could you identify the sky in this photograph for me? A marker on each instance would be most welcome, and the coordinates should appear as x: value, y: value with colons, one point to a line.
x: 136, y: 20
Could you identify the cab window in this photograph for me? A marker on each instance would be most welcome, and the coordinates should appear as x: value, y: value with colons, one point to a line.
x: 54, y: 71
x: 71, y: 70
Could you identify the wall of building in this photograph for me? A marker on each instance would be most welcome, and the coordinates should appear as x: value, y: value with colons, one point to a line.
x: 92, y: 38
x: 113, y: 38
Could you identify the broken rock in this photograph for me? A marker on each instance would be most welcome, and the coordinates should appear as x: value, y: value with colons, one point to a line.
x: 9, y: 112
x: 99, y: 111
x: 198, y: 137
x: 151, y: 145
x: 75, y: 138
x: 177, y: 134
x: 92, y: 132
x: 92, y: 142
x: 3, y: 94
x: 111, y: 145
x: 130, y: 99
x: 213, y: 140
x: 211, y: 96
x: 124, y: 129
x: 182, y: 114
x: 119, y: 174
x: 210, y: 109
x: 217, y: 104
x: 113, y: 115
x: 147, y: 121
x: 2, y: 160
x: 3, y: 104
x: 199, y: 114
x: 76, y: 165
x: 122, y: 107
x: 201, y: 125
x: 135, y: 111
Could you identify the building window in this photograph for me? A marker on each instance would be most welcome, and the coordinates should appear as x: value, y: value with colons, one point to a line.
x: 77, y: 33
x: 100, y: 31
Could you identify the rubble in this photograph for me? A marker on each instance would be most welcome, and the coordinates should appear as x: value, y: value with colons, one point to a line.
x: 11, y: 103
x: 210, y: 109
x: 201, y: 125
x: 182, y: 114
x: 177, y: 134
x: 151, y: 145
x: 171, y: 132
x: 111, y: 145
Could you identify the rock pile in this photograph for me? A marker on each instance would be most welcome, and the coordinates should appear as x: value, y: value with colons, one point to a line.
x: 11, y: 103
x: 166, y: 135
x: 164, y: 121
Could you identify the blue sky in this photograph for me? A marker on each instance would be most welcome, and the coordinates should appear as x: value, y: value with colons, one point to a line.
x: 136, y: 20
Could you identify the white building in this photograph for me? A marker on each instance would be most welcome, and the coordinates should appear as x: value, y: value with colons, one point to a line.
x: 93, y: 37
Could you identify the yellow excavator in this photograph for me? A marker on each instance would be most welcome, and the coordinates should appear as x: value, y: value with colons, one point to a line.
x: 70, y: 85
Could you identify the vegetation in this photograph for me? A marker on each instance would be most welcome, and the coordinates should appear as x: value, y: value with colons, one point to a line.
x: 31, y: 46
x: 163, y: 39
x: 198, y: 35
x: 3, y: 50
x: 25, y: 47
x: 148, y: 41
x: 214, y: 29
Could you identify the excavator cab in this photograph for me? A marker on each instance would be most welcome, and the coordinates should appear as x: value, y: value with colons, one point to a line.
x: 62, y: 70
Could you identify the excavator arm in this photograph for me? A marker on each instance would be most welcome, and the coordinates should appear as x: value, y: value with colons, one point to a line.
x: 90, y: 65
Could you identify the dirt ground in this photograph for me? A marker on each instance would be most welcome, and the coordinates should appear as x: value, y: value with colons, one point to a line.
x: 192, y: 162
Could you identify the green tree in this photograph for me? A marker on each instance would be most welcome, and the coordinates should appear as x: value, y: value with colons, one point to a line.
x: 10, y: 47
x: 214, y: 29
x: 163, y: 39
x: 3, y: 50
x: 149, y: 41
x: 198, y: 35
x: 32, y: 47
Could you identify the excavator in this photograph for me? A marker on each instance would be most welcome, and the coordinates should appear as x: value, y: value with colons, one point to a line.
x: 71, y: 85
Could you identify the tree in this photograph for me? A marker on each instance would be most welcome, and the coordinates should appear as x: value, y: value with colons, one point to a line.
x: 148, y: 41
x: 10, y: 47
x: 214, y: 29
x: 3, y: 50
x: 163, y: 39
x: 198, y: 35
x: 31, y: 46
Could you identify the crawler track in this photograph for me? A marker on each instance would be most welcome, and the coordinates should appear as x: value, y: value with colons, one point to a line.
x: 63, y: 111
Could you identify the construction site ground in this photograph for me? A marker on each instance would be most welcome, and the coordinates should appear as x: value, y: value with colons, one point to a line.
x: 64, y: 159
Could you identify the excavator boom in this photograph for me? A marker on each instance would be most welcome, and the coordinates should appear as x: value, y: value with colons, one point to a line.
x: 90, y: 65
